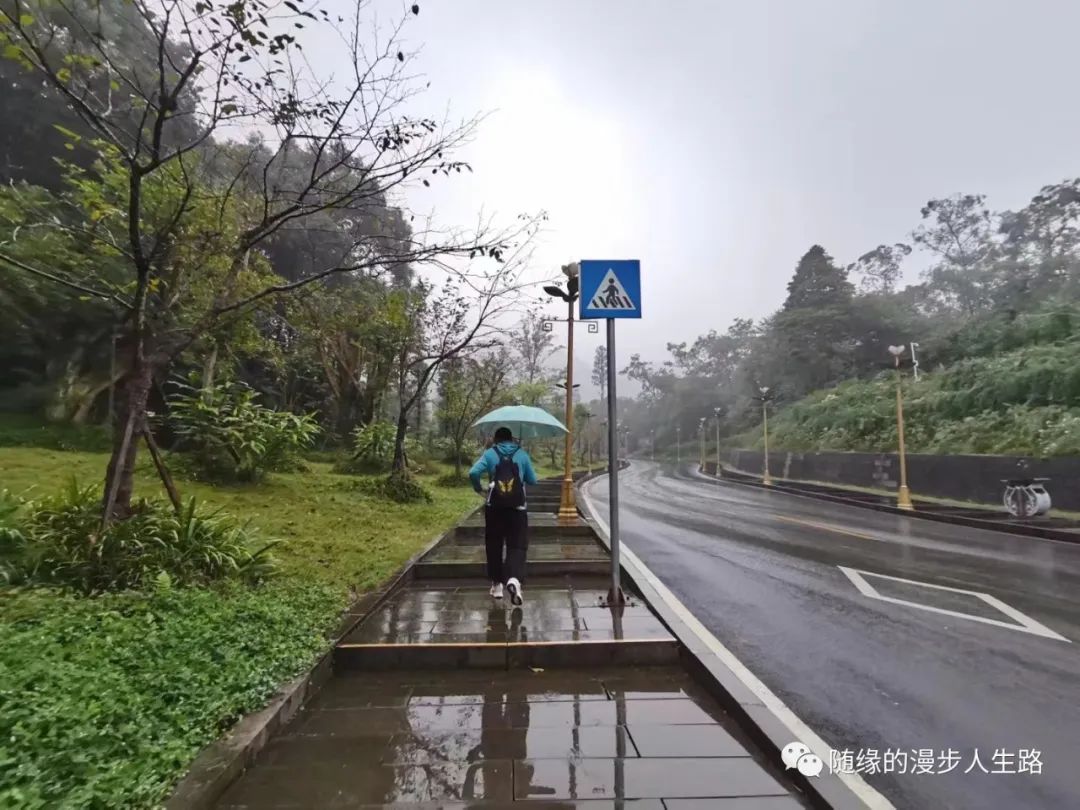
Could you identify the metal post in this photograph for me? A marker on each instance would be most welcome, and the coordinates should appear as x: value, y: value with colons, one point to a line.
x: 615, y: 595
x: 678, y: 445
x: 588, y: 438
x: 701, y: 455
x: 903, y: 495
x: 567, y: 506
x: 766, y: 479
x: 718, y: 446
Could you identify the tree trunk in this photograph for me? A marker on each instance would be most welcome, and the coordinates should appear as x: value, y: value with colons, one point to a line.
x: 82, y: 412
x: 209, y: 369
x: 458, y: 447
x: 130, y: 424
x: 401, y: 461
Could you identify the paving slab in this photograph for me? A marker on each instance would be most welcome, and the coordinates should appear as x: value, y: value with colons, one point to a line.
x: 554, y: 611
x: 632, y: 739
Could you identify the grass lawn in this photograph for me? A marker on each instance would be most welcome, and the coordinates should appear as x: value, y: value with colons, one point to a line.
x: 105, y: 701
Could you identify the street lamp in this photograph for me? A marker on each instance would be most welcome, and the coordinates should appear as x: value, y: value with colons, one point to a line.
x: 567, y: 507
x: 764, y: 398
x: 718, y: 410
x: 701, y: 434
x: 678, y: 445
x: 903, y: 494
x: 652, y: 445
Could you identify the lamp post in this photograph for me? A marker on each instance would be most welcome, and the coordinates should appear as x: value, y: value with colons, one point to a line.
x: 764, y: 398
x: 567, y: 506
x: 652, y: 445
x: 717, y: 411
x: 588, y: 435
x: 903, y: 494
x: 678, y: 445
x: 701, y: 434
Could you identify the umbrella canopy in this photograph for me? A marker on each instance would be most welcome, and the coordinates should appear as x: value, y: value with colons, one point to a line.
x: 525, y: 421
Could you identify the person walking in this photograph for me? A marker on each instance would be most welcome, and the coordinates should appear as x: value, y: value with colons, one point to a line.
x: 506, y: 520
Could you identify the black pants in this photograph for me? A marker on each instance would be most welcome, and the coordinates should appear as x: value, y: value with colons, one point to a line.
x: 509, y: 528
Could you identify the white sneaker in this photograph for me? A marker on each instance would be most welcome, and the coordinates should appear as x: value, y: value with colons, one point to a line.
x: 513, y: 587
x: 496, y: 590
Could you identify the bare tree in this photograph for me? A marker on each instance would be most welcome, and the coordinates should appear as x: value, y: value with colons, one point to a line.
x: 465, y: 314
x: 533, y: 346
x: 190, y: 209
x: 471, y: 389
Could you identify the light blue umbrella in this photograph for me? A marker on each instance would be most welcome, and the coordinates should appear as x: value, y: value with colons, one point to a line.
x: 525, y: 421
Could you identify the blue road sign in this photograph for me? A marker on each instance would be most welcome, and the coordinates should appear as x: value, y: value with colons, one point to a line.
x: 610, y: 289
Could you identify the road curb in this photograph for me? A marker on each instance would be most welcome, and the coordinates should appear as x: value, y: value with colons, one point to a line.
x: 224, y: 760
x: 746, y: 479
x: 746, y: 705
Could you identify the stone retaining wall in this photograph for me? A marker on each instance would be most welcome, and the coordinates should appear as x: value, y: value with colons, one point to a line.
x: 964, y: 478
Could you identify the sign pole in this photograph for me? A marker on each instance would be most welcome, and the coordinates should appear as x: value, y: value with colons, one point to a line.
x: 615, y: 595
x: 611, y: 290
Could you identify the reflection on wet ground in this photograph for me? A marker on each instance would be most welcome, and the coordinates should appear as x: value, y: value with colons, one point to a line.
x: 551, y: 739
x: 557, y: 609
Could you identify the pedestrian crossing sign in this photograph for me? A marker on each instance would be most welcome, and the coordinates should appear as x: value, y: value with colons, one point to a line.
x: 610, y: 289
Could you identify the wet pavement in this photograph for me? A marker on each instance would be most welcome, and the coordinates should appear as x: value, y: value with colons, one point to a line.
x: 596, y: 739
x: 904, y: 669
x: 444, y: 697
x: 556, y: 610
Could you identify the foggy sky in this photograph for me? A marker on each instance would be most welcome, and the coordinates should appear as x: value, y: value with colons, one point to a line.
x: 716, y: 141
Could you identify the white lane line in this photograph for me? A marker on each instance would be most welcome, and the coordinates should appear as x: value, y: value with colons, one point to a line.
x: 799, y: 730
x: 1023, y: 622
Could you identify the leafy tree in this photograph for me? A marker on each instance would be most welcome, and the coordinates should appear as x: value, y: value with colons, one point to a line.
x: 958, y: 231
x: 188, y: 213
x: 880, y: 268
x: 599, y: 370
x: 817, y: 282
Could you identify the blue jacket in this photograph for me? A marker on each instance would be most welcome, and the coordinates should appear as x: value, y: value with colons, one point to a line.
x: 490, y: 460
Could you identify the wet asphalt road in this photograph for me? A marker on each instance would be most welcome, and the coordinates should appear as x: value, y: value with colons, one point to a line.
x: 759, y: 569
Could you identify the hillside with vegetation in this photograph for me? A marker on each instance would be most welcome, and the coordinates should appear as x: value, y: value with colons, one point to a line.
x: 1017, y: 401
x: 995, y: 316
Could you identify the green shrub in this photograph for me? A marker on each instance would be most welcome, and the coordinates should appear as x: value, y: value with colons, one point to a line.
x: 12, y: 538
x: 63, y: 544
x: 227, y: 435
x: 372, y: 449
x: 452, y: 479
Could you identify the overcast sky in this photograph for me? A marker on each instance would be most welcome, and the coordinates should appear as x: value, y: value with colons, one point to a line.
x: 716, y: 141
